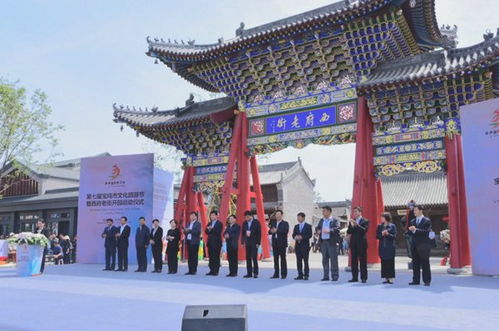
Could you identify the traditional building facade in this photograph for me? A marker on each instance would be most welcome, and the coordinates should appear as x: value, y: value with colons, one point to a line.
x: 48, y: 191
x: 380, y: 73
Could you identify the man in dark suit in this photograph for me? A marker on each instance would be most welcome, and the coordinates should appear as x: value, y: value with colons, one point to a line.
x: 214, y: 244
x: 279, y: 230
x: 156, y: 241
x: 41, y: 228
x: 231, y: 236
x: 302, y: 232
x: 122, y: 236
x: 142, y: 237
x: 192, y: 238
x: 328, y: 231
x: 419, y: 230
x: 357, y: 230
x: 109, y: 235
x: 251, y: 238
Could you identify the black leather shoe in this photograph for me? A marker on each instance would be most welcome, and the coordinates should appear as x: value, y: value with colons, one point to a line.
x: 274, y: 277
x: 247, y: 276
x: 335, y: 279
x: 324, y: 279
x: 138, y: 270
x: 118, y: 270
x: 228, y: 275
x: 305, y: 277
x: 353, y: 281
x: 299, y: 278
x: 255, y: 276
x: 364, y: 281
x: 426, y: 284
x: 413, y: 283
x: 208, y: 274
x: 188, y: 273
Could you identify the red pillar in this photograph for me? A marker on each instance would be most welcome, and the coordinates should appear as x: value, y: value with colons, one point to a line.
x: 458, y: 214
x: 366, y: 188
x: 243, y: 176
x: 260, y: 210
x: 186, y: 201
x: 239, y: 162
x: 229, y: 175
x: 203, y: 215
x: 181, y: 199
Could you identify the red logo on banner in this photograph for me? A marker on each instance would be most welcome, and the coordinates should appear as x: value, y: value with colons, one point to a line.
x: 115, y: 172
x: 256, y: 128
x: 495, y: 119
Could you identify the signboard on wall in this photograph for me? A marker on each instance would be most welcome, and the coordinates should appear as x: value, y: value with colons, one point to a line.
x: 480, y: 129
x: 115, y: 186
x: 320, y: 117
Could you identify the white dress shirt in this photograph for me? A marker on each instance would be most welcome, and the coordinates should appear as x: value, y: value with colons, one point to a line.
x: 191, y: 225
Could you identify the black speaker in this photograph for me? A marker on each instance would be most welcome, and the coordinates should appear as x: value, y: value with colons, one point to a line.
x: 215, y: 318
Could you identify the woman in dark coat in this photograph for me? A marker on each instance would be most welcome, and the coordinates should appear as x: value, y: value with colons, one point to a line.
x: 173, y: 237
x: 386, y: 234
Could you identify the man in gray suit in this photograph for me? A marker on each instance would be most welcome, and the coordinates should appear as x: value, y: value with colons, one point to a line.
x: 328, y: 231
x: 192, y: 237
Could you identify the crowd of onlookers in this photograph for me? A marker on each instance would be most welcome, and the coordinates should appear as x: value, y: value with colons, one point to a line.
x: 62, y: 248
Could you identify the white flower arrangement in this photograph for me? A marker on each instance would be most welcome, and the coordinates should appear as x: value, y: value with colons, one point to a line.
x: 28, y: 238
x: 445, y: 236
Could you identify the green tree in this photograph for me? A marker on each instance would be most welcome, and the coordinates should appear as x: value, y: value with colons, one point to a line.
x: 25, y: 130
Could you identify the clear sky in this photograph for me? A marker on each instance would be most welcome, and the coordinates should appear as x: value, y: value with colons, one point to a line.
x: 88, y: 54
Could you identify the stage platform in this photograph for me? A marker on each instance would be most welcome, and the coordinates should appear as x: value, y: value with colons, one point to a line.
x: 82, y: 297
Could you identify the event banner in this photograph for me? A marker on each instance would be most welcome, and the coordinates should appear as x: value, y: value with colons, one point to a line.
x: 480, y: 129
x: 115, y: 186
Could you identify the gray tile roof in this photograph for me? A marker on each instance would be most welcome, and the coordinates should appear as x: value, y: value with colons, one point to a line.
x: 72, y: 162
x: 434, y: 64
x: 168, y: 117
x: 276, y: 167
x: 49, y: 196
x: 425, y: 189
x: 421, y: 17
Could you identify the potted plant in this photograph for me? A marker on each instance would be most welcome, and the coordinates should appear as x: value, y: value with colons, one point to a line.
x: 29, y: 252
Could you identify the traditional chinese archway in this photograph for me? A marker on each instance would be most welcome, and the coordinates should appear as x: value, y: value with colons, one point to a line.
x: 353, y: 71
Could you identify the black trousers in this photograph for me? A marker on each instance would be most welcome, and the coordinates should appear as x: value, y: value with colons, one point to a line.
x: 251, y: 259
x: 123, y: 257
x: 171, y: 253
x: 359, y: 256
x: 110, y: 257
x: 214, y: 257
x: 158, y: 258
x: 142, y: 257
x: 66, y: 257
x: 42, y: 268
x: 279, y: 253
x: 388, y: 268
x: 192, y: 251
x: 421, y: 260
x: 232, y: 257
x: 302, y: 259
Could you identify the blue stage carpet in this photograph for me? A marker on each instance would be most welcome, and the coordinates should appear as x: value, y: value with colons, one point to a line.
x: 82, y: 297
